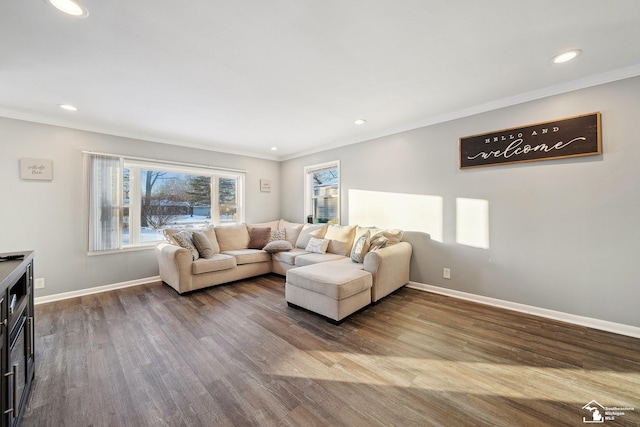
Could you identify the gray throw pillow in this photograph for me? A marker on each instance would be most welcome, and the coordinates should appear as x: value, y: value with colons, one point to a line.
x: 378, y: 242
x: 360, y: 248
x: 278, y: 246
x: 202, y: 244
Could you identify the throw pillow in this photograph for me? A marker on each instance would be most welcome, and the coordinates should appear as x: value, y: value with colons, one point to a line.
x: 360, y: 248
x: 276, y: 235
x: 317, y: 246
x: 202, y: 244
x: 184, y: 240
x: 393, y: 236
x: 377, y: 242
x: 259, y: 237
x: 210, y: 233
x: 168, y: 234
x: 341, y: 238
x: 278, y: 246
x: 308, y: 231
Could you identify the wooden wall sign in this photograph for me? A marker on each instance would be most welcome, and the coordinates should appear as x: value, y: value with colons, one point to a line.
x: 571, y: 137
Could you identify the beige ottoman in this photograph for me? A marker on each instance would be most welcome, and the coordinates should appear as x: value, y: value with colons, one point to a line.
x: 333, y: 289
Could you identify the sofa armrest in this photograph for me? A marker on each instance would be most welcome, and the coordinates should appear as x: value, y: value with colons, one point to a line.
x: 389, y: 267
x: 174, y: 264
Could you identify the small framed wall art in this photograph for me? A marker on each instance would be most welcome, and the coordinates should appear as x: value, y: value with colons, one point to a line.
x: 265, y: 185
x: 36, y: 169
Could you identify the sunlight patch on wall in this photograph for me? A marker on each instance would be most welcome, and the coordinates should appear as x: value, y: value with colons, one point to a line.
x: 410, y: 212
x: 472, y: 222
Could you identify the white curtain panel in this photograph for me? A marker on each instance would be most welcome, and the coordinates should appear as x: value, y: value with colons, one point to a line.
x: 105, y: 197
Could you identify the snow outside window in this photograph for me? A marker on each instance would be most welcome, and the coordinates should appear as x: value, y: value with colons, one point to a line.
x: 132, y: 202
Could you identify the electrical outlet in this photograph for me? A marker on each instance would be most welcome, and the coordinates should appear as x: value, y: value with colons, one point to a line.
x: 39, y: 283
x: 446, y: 273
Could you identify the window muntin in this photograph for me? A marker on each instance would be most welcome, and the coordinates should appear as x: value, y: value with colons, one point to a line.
x: 322, y: 192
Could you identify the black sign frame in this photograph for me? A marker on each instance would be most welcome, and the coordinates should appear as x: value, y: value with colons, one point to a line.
x: 575, y: 136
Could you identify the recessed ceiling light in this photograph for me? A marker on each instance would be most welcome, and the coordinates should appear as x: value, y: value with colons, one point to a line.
x: 274, y: 148
x: 68, y: 107
x: 70, y: 7
x: 565, y: 56
x: 360, y: 121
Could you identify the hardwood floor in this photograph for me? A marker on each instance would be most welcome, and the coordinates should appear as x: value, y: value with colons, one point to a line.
x: 237, y: 355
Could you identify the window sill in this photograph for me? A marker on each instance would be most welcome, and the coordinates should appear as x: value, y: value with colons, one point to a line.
x: 147, y: 247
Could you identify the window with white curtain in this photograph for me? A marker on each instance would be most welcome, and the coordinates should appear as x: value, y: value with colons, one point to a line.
x: 132, y: 201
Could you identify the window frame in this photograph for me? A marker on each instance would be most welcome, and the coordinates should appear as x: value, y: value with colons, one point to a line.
x: 308, y: 187
x: 136, y: 165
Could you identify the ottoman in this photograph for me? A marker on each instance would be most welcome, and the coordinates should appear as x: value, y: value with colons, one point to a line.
x: 332, y: 289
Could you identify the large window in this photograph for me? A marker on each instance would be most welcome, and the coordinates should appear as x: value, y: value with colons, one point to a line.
x: 132, y: 201
x: 322, y: 192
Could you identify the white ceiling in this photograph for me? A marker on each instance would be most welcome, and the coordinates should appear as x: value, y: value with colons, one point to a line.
x: 242, y: 76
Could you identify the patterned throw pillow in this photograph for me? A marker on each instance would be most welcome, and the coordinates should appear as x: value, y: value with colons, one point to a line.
x: 276, y: 235
x: 317, y: 246
x: 278, y: 246
x: 378, y: 242
x: 360, y: 248
x: 184, y: 240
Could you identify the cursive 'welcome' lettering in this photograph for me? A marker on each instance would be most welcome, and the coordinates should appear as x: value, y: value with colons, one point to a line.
x: 515, y: 148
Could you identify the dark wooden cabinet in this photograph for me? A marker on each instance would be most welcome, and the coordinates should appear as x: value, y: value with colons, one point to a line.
x: 17, y: 336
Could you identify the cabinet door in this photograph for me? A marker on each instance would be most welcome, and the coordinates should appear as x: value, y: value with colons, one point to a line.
x: 4, y: 345
x: 30, y: 327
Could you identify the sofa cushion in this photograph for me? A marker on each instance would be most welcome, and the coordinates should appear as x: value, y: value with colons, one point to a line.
x: 341, y: 238
x: 259, y: 237
x: 249, y: 256
x: 202, y: 244
x: 308, y: 231
x: 344, y: 280
x: 317, y: 246
x: 232, y: 237
x: 184, y: 240
x: 217, y: 262
x: 277, y: 246
x: 289, y: 257
x: 309, y: 259
x: 291, y: 230
x: 360, y: 248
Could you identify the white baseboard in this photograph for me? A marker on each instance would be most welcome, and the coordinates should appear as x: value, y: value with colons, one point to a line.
x: 618, y: 328
x: 589, y: 322
x: 95, y: 290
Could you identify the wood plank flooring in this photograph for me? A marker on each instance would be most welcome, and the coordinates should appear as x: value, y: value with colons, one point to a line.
x: 236, y: 355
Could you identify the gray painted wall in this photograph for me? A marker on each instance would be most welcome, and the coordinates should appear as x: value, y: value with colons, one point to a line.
x: 563, y: 234
x: 48, y: 217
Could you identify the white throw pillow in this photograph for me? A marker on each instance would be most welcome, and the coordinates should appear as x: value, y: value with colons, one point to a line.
x: 308, y: 231
x: 317, y: 246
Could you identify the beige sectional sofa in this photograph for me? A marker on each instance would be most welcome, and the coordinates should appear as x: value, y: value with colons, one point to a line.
x: 312, y: 276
